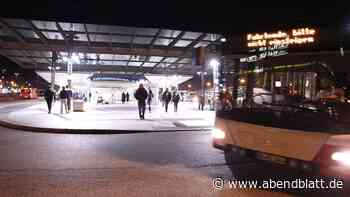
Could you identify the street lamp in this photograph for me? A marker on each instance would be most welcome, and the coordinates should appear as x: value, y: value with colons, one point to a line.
x: 223, y: 39
x: 202, y: 73
x: 208, y: 84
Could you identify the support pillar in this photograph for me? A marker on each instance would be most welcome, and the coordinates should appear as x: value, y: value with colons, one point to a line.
x: 53, y: 70
x: 235, y: 82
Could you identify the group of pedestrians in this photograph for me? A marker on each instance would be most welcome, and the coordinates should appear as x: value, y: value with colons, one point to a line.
x: 65, y: 97
x: 167, y: 97
x: 142, y: 95
x: 125, y: 97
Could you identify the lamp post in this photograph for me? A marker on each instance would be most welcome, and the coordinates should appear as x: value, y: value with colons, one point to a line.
x: 215, y: 66
x: 201, y: 74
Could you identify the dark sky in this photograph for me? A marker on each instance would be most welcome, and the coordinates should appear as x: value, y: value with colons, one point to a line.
x: 208, y: 16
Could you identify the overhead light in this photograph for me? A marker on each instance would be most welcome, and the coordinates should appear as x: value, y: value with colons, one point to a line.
x: 223, y: 39
x: 278, y: 84
x: 75, y: 58
x: 214, y: 63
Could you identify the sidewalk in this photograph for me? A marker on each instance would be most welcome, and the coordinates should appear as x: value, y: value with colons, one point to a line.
x: 116, y: 118
x: 4, y: 104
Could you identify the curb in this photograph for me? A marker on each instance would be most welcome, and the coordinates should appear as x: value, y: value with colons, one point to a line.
x: 93, y: 131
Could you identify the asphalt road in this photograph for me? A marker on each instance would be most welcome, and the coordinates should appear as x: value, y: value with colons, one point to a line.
x: 142, y: 164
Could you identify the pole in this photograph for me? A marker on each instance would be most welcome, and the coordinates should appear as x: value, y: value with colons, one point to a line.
x: 202, y: 84
x: 53, y: 70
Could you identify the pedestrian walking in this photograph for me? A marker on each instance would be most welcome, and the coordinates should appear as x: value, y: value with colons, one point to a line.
x: 69, y: 98
x: 149, y: 99
x: 167, y: 99
x: 141, y: 96
x: 176, y: 99
x: 49, y: 96
x: 123, y: 98
x: 63, y: 99
x: 113, y: 99
x: 127, y: 97
x: 90, y: 95
x: 201, y: 103
x: 162, y: 98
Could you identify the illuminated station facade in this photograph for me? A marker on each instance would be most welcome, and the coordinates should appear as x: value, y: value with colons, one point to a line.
x: 107, y: 60
x: 301, y: 63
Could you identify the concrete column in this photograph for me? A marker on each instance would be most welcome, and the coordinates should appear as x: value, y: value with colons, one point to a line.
x: 69, y: 72
x: 53, y: 70
x: 235, y: 82
x: 265, y: 80
x: 53, y: 78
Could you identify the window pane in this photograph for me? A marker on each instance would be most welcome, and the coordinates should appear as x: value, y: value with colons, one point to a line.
x: 45, y: 25
x: 164, y: 42
x: 182, y: 43
x: 134, y: 63
x: 17, y: 23
x: 53, y: 35
x: 155, y: 58
x: 191, y: 35
x: 147, y: 64
x: 72, y: 27
x: 169, y: 33
x: 170, y: 59
x: 28, y: 33
x: 142, y: 40
x: 121, y: 57
x: 146, y: 31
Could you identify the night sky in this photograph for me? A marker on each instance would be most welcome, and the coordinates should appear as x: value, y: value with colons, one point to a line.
x: 216, y: 16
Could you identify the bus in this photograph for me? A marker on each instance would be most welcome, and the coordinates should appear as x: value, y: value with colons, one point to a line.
x: 291, y: 115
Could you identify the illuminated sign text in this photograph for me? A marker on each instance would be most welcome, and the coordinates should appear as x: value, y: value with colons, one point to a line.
x: 293, y: 37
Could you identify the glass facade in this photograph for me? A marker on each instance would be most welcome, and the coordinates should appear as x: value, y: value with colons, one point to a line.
x: 296, y: 97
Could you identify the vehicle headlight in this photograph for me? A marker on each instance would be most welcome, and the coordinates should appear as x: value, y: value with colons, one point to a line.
x: 342, y: 157
x: 218, y: 134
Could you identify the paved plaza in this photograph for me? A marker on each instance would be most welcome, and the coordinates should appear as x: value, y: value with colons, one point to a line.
x: 111, y: 117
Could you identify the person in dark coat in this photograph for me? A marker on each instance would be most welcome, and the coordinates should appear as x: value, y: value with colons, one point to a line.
x: 176, y: 99
x: 167, y: 98
x: 90, y: 95
x: 127, y: 97
x: 49, y: 96
x: 63, y: 98
x: 149, y: 99
x: 69, y: 98
x: 201, y: 102
x: 141, y: 96
x: 123, y: 97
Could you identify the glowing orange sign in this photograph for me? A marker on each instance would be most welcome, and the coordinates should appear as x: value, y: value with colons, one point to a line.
x: 293, y: 37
